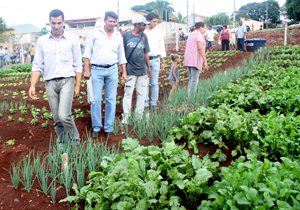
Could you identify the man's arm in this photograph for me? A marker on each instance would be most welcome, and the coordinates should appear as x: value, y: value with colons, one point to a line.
x: 77, y: 85
x: 124, y: 73
x: 88, y: 56
x: 148, y: 64
x: 34, y: 78
x: 162, y: 51
x: 77, y: 66
x: 87, y: 73
x: 122, y: 59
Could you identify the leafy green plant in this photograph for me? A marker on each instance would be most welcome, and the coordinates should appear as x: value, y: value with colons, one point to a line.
x: 20, y: 119
x: 33, y: 121
x: 10, y: 118
x: 11, y: 142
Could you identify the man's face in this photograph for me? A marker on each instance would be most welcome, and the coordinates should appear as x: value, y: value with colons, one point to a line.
x: 110, y: 23
x: 241, y: 23
x: 209, y: 28
x: 141, y: 27
x: 153, y: 23
x: 57, y: 25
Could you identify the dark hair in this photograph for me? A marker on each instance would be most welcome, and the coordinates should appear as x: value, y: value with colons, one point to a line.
x: 209, y: 25
x: 80, y: 36
x: 6, y: 48
x: 199, y: 24
x: 225, y: 26
x: 56, y: 13
x: 151, y: 16
x: 174, y: 56
x: 110, y: 14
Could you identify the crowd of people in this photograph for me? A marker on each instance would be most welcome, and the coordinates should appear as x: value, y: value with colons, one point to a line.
x: 138, y: 53
x: 227, y: 37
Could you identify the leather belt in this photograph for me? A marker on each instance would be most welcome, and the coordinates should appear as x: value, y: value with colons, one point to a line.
x: 153, y: 57
x: 103, y: 66
x: 59, y: 78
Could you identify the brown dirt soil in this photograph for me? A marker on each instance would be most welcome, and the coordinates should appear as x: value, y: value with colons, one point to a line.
x: 28, y: 137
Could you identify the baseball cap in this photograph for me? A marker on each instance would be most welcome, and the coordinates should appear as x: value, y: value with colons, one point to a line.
x: 141, y: 19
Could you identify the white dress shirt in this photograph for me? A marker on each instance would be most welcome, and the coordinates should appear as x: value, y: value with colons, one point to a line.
x: 156, y: 42
x: 57, y: 58
x: 2, y: 52
x: 104, y: 51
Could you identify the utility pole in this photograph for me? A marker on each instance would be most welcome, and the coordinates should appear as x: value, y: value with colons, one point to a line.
x: 194, y: 12
x: 187, y: 17
x: 267, y: 16
x: 118, y: 24
x: 234, y: 14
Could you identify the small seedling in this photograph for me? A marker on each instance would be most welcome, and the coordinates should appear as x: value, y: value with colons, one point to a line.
x: 10, y: 142
x: 20, y: 119
x: 45, y: 124
x: 33, y: 121
x: 10, y: 118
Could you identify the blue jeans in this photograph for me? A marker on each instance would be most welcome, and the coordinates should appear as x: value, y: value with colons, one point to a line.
x: 60, y: 94
x: 155, y: 66
x: 194, y: 78
x: 1, y: 61
x: 109, y: 77
x: 240, y: 44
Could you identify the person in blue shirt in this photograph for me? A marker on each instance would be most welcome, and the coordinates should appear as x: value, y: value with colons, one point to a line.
x: 103, y: 50
x: 58, y: 55
x: 174, y: 72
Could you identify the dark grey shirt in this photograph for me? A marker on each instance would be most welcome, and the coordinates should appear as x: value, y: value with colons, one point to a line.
x: 137, y: 63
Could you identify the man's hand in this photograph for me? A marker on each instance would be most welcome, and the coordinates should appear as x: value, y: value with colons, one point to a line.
x: 87, y: 74
x: 177, y: 81
x: 32, y: 92
x: 149, y: 72
x: 162, y: 66
x: 124, y: 77
x: 76, y: 90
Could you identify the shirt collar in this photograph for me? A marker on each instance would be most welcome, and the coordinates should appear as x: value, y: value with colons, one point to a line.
x: 63, y: 36
x: 103, y: 31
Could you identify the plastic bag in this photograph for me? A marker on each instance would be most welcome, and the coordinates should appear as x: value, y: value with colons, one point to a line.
x: 90, y: 91
x: 219, y: 42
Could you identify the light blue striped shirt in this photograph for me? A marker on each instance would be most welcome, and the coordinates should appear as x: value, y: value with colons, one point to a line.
x: 104, y: 51
x: 57, y: 58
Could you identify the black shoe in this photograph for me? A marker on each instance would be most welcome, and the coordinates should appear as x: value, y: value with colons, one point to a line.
x: 107, y: 134
x: 95, y: 134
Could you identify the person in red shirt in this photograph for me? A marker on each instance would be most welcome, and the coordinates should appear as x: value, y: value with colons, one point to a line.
x: 225, y: 36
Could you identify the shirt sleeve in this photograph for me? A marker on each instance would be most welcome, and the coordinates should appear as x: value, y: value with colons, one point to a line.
x: 147, y: 48
x: 200, y: 38
x: 121, y: 52
x: 38, y: 63
x: 89, y: 47
x: 77, y: 62
x: 245, y: 30
x: 162, y: 46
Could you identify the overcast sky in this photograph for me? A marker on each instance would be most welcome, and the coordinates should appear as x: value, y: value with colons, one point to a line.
x: 36, y: 11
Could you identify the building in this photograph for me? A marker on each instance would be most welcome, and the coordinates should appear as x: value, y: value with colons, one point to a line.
x: 25, y: 33
x: 195, y: 18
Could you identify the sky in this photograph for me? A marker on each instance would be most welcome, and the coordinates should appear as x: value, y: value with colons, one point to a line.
x: 37, y: 12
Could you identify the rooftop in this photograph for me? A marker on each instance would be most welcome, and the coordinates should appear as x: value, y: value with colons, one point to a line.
x: 24, y: 28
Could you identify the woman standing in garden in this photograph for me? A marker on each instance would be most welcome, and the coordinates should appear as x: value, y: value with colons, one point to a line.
x: 224, y: 37
x: 195, y: 55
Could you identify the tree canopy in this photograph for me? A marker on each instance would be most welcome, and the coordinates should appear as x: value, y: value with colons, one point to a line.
x: 220, y: 18
x: 293, y: 9
x: 2, y: 25
x: 257, y: 11
x: 157, y: 6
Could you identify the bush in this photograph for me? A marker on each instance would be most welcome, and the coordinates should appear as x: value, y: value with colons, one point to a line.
x: 22, y: 67
x: 6, y: 71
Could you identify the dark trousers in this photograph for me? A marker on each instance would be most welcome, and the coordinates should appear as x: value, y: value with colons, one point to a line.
x: 240, y: 44
x: 225, y: 43
x: 32, y: 57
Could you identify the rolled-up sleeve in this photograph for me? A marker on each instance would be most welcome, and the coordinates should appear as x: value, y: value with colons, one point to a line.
x: 162, y: 46
x: 38, y: 62
x: 121, y: 52
x: 77, y: 62
x: 89, y: 47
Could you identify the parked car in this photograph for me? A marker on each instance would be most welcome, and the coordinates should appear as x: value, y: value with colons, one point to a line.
x: 280, y: 26
x: 248, y: 28
x: 217, y: 28
x: 296, y: 23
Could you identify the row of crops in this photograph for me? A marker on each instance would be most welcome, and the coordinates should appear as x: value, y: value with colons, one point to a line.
x: 256, y: 117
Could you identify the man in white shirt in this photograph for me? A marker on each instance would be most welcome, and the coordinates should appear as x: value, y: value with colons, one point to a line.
x: 103, y: 50
x: 241, y: 36
x: 58, y: 56
x: 2, y: 53
x: 156, y: 55
x: 209, y: 37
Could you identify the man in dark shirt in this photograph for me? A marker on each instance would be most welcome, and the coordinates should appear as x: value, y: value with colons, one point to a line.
x: 138, y: 66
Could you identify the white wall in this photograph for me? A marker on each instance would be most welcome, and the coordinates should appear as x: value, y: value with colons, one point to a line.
x: 171, y: 28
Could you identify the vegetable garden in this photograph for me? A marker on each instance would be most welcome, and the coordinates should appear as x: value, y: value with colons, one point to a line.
x: 248, y: 114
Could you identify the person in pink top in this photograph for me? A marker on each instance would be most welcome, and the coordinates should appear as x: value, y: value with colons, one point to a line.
x: 195, y: 55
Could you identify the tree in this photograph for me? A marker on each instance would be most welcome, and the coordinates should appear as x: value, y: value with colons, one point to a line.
x: 157, y: 6
x: 41, y: 33
x: 220, y: 18
x: 257, y: 11
x: 293, y: 9
x: 2, y: 25
x: 179, y: 18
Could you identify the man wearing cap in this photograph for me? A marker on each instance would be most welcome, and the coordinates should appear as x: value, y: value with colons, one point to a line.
x: 103, y: 50
x: 156, y: 54
x: 138, y: 66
